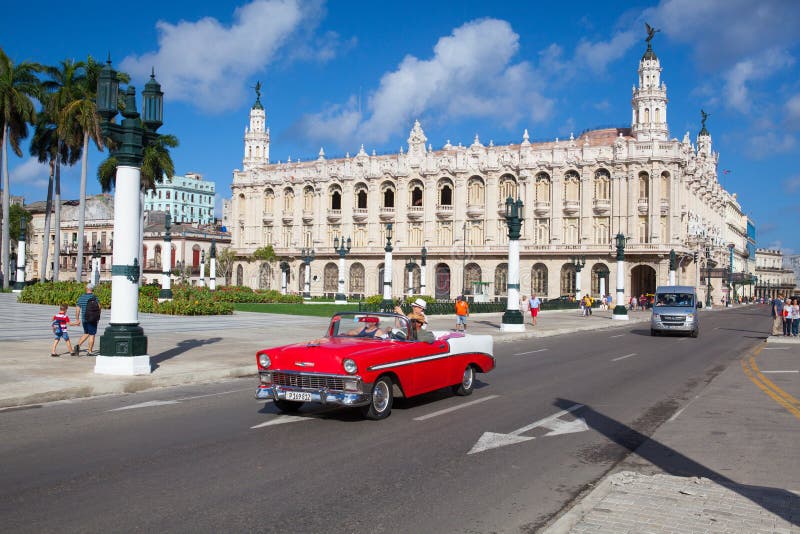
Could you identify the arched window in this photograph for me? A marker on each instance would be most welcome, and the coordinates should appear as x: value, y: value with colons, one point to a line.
x: 361, y: 196
x: 572, y: 186
x: 542, y: 187
x: 602, y: 184
x: 507, y: 188
x: 336, y: 200
x: 644, y: 185
x: 501, y: 279
x: 416, y: 191
x: 239, y: 275
x: 539, y: 279
x: 445, y: 192
x: 265, y: 276
x: 646, y: 115
x: 331, y: 278
x: 568, y: 280
x: 269, y: 200
x: 308, y: 198
x: 472, y: 274
x: 288, y: 199
x: 387, y: 190
x: 475, y: 191
x: 665, y: 185
x: 357, y: 278
x: 600, y: 272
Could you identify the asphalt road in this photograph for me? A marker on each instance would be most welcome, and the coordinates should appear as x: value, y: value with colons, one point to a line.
x: 210, y: 458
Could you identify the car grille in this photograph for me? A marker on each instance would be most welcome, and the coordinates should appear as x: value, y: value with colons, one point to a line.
x: 673, y: 318
x: 310, y: 381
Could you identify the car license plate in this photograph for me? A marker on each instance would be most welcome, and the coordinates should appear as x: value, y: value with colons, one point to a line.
x: 298, y: 396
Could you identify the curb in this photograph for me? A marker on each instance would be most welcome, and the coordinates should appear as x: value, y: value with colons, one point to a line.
x: 584, y: 502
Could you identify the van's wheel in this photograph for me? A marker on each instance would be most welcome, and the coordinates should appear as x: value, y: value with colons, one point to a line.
x: 467, y: 385
x: 287, y: 406
x: 653, y: 332
x: 695, y: 333
x: 381, y: 404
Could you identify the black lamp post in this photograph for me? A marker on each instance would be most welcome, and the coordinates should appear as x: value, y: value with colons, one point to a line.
x: 708, y: 278
x: 343, y: 250
x: 673, y: 263
x: 512, y: 318
x: 387, y: 303
x: 410, y: 269
x: 731, y: 247
x: 423, y: 262
x: 620, y: 311
x: 284, y: 265
x: 123, y: 345
x: 579, y: 262
x: 464, y: 264
x: 166, y: 261
x: 96, y: 255
x: 307, y: 255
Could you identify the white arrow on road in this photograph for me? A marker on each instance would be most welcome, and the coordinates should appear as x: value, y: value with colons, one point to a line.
x: 147, y: 404
x: 556, y: 425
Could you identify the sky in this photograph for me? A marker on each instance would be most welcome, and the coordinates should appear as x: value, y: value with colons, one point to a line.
x: 340, y: 74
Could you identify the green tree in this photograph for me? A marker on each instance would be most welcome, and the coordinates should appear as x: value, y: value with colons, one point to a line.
x: 157, y: 164
x: 78, y: 124
x: 62, y: 85
x: 45, y: 146
x: 225, y: 259
x: 265, y: 253
x: 19, y: 86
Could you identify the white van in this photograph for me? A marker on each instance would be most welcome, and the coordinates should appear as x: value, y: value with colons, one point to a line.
x: 675, y: 310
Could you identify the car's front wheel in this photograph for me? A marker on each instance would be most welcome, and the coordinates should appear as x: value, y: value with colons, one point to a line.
x: 287, y: 406
x: 467, y: 384
x: 380, y: 405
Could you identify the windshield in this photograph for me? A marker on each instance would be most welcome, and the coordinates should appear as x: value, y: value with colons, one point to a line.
x: 369, y: 325
x: 675, y: 299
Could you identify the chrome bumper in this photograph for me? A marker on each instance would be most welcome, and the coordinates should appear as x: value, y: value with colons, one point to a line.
x: 321, y: 396
x: 673, y: 327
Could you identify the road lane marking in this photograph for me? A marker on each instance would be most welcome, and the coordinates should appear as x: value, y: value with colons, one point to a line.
x: 493, y: 440
x: 281, y: 419
x: 767, y: 386
x: 676, y: 414
x: 623, y: 357
x: 150, y: 404
x: 794, y: 371
x: 776, y: 348
x: 454, y: 408
x: 530, y: 352
x: 618, y: 335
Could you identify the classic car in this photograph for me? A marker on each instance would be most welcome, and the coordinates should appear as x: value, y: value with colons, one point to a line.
x: 366, y: 360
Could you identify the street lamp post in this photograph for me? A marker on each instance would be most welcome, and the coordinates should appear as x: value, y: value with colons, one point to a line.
x: 423, y: 260
x: 201, y: 281
x: 708, y: 279
x: 464, y: 264
x: 123, y: 345
x: 512, y: 318
x: 212, y: 268
x: 19, y: 284
x: 410, y: 268
x: 386, y: 303
x: 731, y: 246
x: 620, y: 311
x: 579, y: 263
x: 96, y: 255
x: 284, y: 276
x: 672, y: 263
x: 602, y: 274
x: 343, y: 250
x: 307, y: 256
x: 166, y: 262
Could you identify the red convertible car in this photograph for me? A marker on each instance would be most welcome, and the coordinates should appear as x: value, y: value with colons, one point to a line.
x: 367, y: 359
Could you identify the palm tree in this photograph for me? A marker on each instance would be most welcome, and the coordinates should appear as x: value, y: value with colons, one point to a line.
x: 18, y: 87
x: 79, y: 123
x: 62, y: 86
x: 45, y: 146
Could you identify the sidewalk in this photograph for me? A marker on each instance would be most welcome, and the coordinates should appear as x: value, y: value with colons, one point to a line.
x: 188, y: 350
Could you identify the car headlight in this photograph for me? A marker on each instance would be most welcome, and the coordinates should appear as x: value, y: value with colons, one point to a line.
x: 264, y: 361
x: 350, y: 366
x: 656, y: 316
x: 690, y: 317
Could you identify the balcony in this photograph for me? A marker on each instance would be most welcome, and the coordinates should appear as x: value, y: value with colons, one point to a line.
x: 360, y: 214
x: 571, y: 207
x: 334, y: 216
x: 267, y: 217
x: 288, y: 217
x: 386, y: 213
x: 643, y: 205
x: 602, y: 206
x: 541, y: 208
x: 475, y: 211
x: 415, y: 213
x: 664, y: 206
x: 444, y: 211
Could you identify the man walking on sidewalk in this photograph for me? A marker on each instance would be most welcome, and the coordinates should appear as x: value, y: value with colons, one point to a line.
x: 88, y: 320
x: 462, y: 311
x: 777, y: 316
x: 534, y: 303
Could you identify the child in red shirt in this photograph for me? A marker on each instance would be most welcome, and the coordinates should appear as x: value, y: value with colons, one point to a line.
x: 59, y: 324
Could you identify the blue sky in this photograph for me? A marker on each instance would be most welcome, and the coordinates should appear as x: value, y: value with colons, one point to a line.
x: 339, y: 74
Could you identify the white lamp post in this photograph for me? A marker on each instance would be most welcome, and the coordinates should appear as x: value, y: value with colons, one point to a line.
x: 512, y: 318
x: 387, y: 304
x: 620, y: 311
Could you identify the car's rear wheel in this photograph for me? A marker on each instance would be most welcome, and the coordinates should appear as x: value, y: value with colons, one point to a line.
x: 380, y: 405
x: 288, y: 406
x: 467, y: 384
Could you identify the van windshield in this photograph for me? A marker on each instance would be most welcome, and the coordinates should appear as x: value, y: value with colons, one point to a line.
x: 675, y: 299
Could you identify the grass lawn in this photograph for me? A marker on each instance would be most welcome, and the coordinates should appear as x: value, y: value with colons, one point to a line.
x: 317, y: 310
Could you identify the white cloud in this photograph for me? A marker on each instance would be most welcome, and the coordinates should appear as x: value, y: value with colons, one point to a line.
x: 599, y: 54
x: 470, y: 74
x: 793, y: 110
x: 208, y: 64
x: 770, y: 143
x: 31, y: 173
x: 792, y: 184
x: 751, y: 69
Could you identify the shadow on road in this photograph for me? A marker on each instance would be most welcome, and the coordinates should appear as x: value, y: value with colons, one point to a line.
x: 181, y: 347
x: 780, y: 502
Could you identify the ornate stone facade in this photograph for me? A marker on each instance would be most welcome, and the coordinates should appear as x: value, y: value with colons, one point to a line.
x: 577, y: 193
